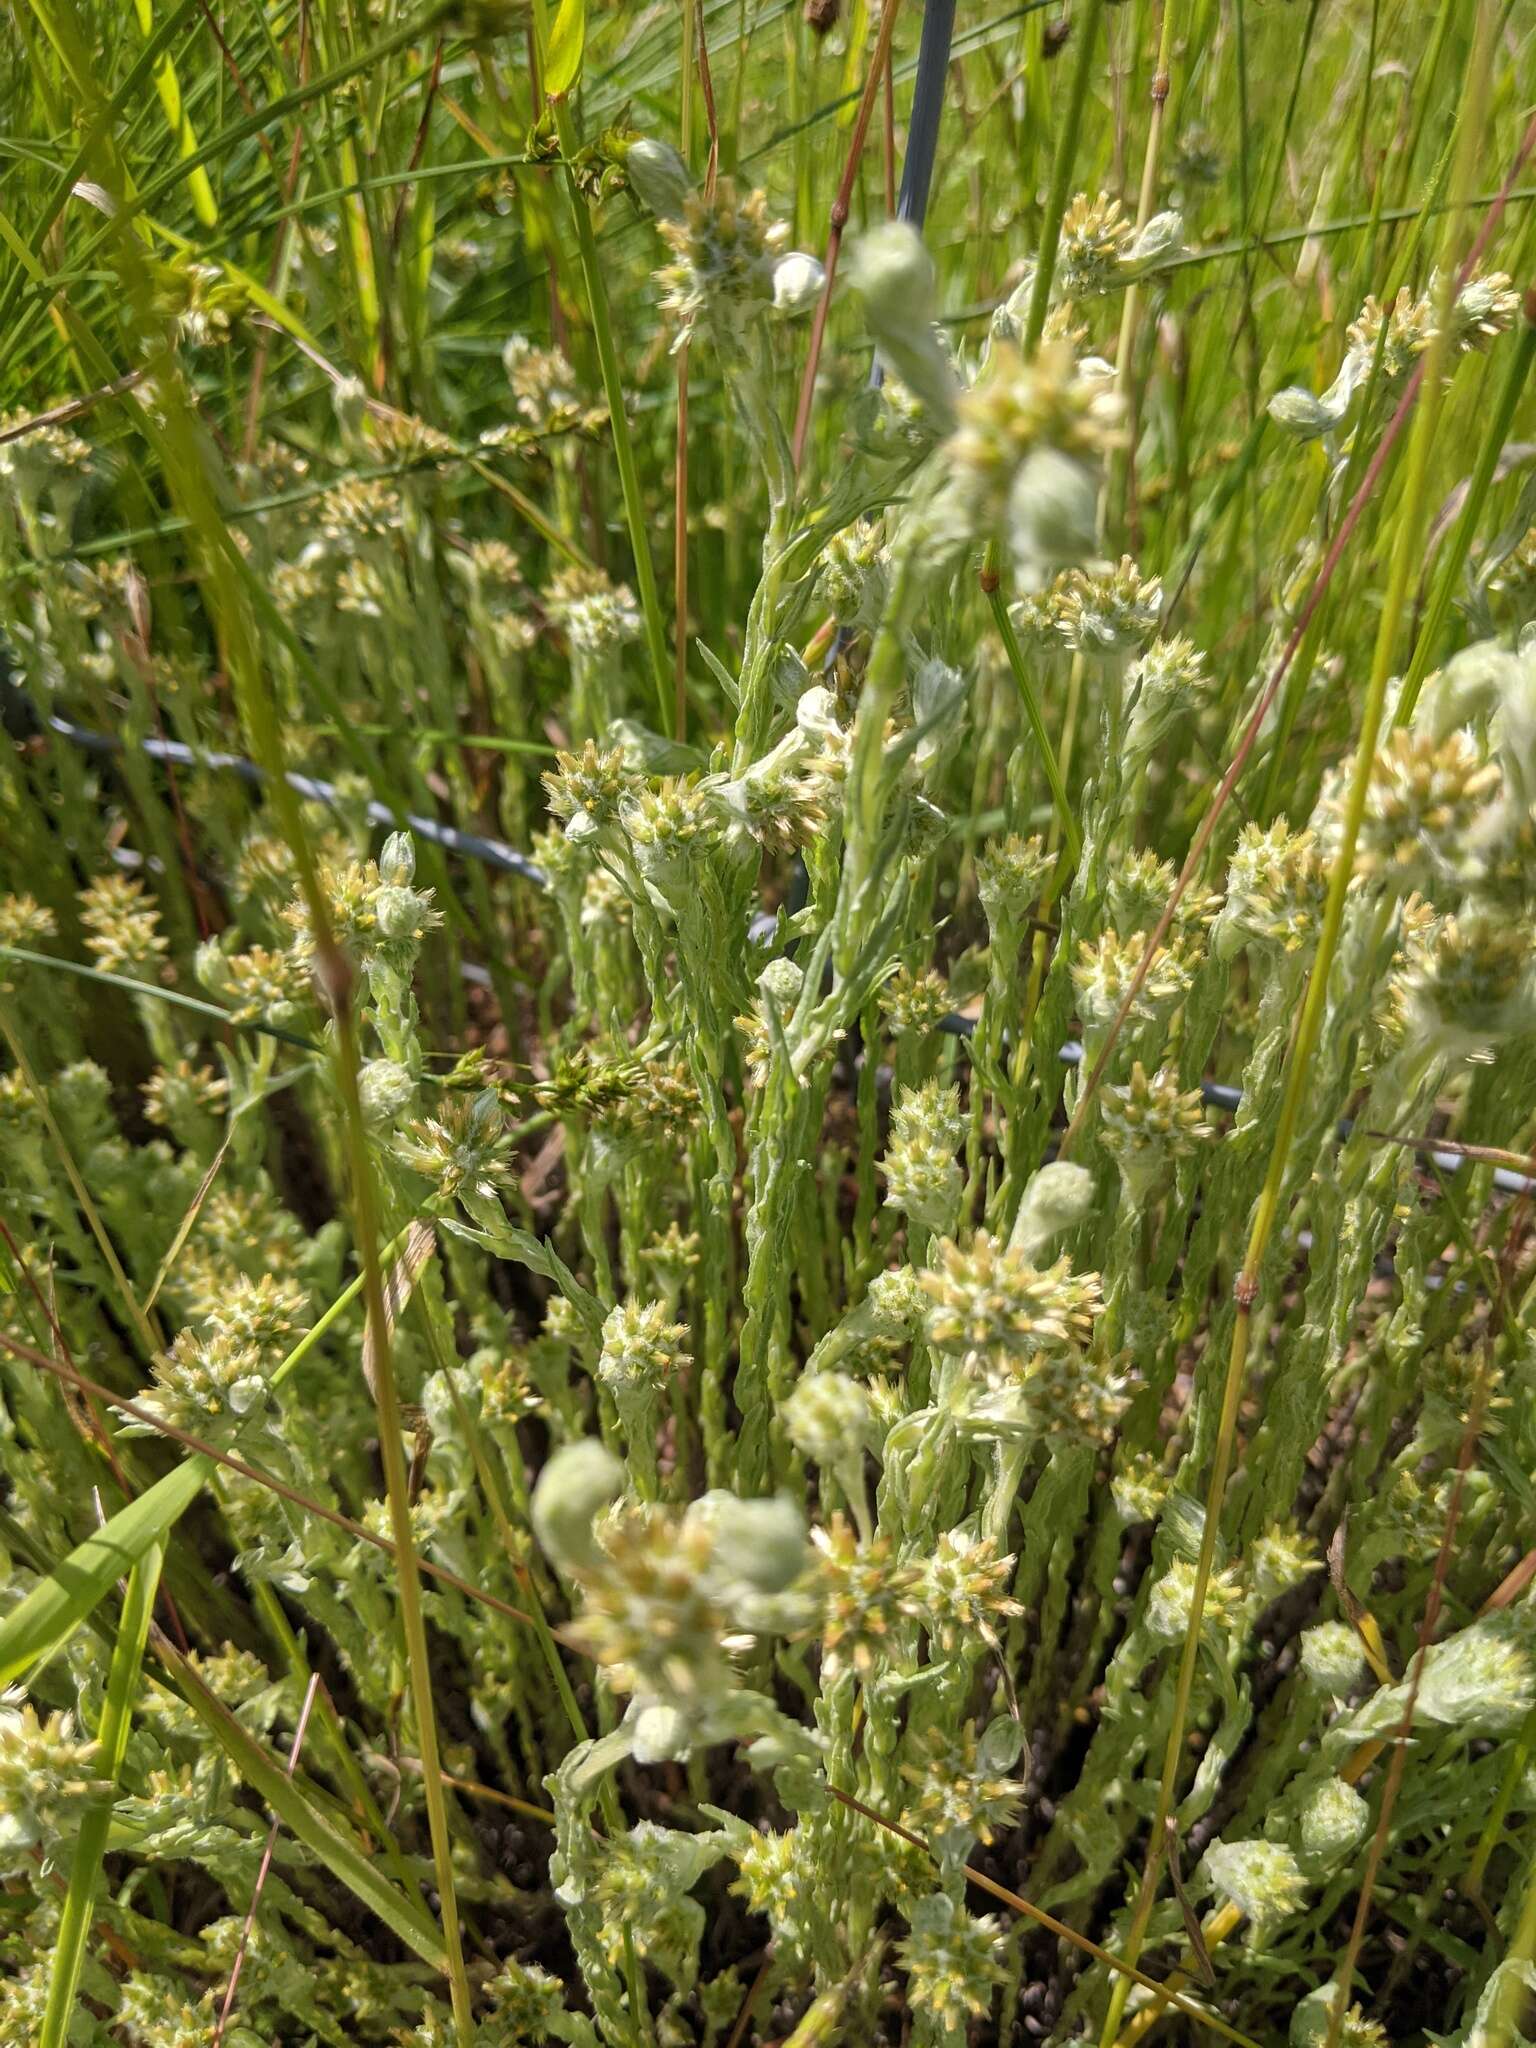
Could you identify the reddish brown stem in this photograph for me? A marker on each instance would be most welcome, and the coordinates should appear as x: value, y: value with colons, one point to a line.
x: 890, y: 137
x: 266, y: 1865
x: 839, y: 220
x: 419, y: 144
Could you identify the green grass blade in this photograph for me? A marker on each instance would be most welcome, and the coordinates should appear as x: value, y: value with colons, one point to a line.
x: 90, y: 1845
x: 286, y: 1797
x: 53, y: 1610
x: 163, y: 995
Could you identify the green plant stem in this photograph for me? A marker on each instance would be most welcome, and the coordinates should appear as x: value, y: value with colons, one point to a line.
x: 1047, y: 753
x: 1147, y: 196
x: 613, y: 392
x: 90, y: 1844
x: 1085, y: 38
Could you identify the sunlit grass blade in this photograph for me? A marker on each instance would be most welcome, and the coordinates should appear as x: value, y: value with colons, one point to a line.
x: 123, y: 1681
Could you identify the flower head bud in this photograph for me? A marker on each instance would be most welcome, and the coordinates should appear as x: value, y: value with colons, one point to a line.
x: 528, y: 2002
x: 959, y: 1793
x: 1334, y: 1822
x: 576, y: 1484
x: 1262, y: 1878
x: 544, y: 387
x: 1168, y: 679
x: 853, y: 577
x: 987, y: 1297
x: 1107, y: 612
x: 585, y: 790
x: 724, y: 249
x: 1313, y: 2024
x: 914, y: 1004
x: 658, y: 177
x: 1104, y: 971
x: 25, y: 922
x: 642, y: 1350
x: 266, y: 1314
x: 774, y: 1879
x: 667, y: 1607
x: 1485, y: 306
x: 1147, y: 1123
x: 1096, y: 238
x: 213, y: 1386
x: 1172, y: 1604
x: 866, y: 1593
x: 1279, y: 1560
x: 1139, y: 888
x: 178, y: 1097
x: 892, y: 272
x: 1471, y: 986
x: 45, y: 1784
x: 672, y: 1255
x: 1480, y: 1682
x: 404, y: 916
x: 386, y: 1090
x: 964, y: 1591
x: 1423, y: 802
x: 1140, y: 1487
x: 122, y: 924
x: 1331, y: 1656
x: 785, y: 799
x: 827, y: 1416
x: 1016, y: 408
x: 597, y: 615
x: 462, y: 1151
x: 1276, y: 886
x: 1010, y: 876
x: 954, y: 1962
x: 922, y: 1175
x: 1067, y: 1397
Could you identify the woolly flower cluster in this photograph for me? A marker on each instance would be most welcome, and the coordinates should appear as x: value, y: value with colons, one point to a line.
x: 730, y: 263
x: 1149, y: 1121
x: 45, y: 1782
x: 1103, y: 612
x: 214, y: 1382
x: 1026, y: 455
x: 922, y: 1174
x: 1397, y: 336
x: 875, y: 1597
x: 671, y: 1597
x: 1019, y: 1334
x: 988, y: 1298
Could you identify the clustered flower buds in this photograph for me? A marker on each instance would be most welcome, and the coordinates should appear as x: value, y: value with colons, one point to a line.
x: 922, y: 1174
x: 1397, y: 336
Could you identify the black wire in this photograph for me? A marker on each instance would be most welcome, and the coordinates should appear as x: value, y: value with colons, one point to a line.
x: 927, y: 109
x: 495, y: 853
